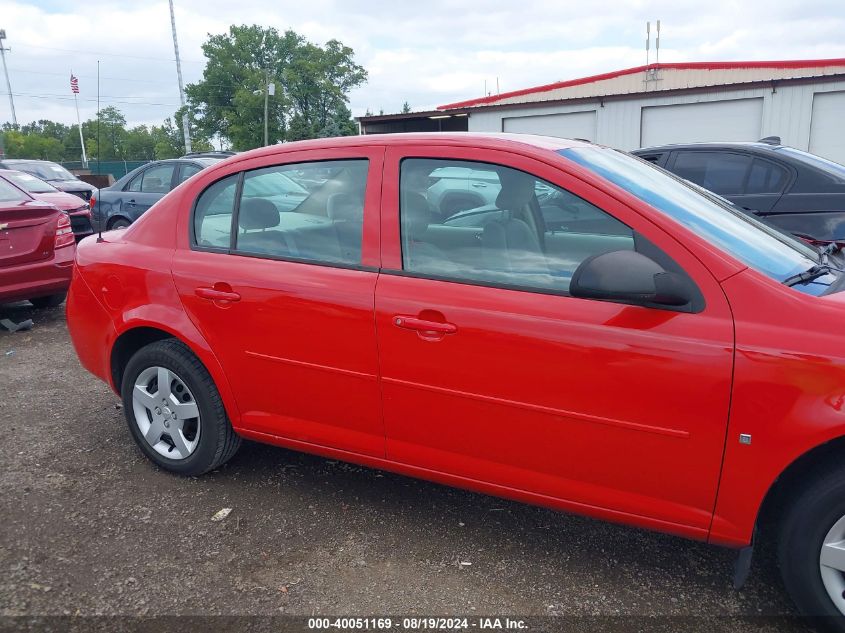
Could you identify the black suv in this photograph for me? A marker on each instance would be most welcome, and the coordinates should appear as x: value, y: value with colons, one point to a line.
x: 796, y: 191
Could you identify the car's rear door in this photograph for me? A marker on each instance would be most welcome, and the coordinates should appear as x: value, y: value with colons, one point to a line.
x: 285, y: 299
x: 492, y: 373
x: 148, y: 187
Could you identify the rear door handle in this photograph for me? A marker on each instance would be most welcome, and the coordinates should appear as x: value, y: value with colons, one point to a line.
x: 422, y: 325
x: 217, y: 295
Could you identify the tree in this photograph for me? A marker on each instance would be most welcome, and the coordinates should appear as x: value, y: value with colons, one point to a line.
x: 312, y: 84
x: 406, y: 108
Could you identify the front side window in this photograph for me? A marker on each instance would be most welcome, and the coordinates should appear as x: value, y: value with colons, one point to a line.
x: 765, y: 177
x: 307, y: 211
x: 524, y: 233
x: 720, y: 172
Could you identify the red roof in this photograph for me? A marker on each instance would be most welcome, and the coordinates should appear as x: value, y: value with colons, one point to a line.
x: 794, y: 63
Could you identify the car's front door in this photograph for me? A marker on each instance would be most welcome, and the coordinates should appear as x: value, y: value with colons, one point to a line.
x: 491, y: 372
x: 284, y: 294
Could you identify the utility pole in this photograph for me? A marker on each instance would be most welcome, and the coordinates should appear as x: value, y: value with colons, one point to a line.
x: 3, y: 50
x: 266, y: 99
x: 269, y: 90
x: 186, y: 129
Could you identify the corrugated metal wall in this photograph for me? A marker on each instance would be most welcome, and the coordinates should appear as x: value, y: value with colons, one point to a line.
x: 787, y: 112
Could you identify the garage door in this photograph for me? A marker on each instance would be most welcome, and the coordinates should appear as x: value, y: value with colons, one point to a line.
x: 827, y: 127
x: 571, y: 125
x: 737, y: 120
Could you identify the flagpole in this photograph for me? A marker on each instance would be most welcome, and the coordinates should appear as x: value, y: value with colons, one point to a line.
x: 79, y: 124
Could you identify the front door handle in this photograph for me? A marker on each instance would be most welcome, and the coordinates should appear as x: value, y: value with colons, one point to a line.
x: 217, y: 295
x: 424, y: 326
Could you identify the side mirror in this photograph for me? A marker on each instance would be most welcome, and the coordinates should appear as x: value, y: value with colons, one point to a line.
x: 629, y: 277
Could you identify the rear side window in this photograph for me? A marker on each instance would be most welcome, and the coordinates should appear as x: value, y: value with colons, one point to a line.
x: 720, y: 172
x: 157, y: 179
x: 305, y: 211
x: 8, y: 193
x: 187, y: 171
x: 213, y: 214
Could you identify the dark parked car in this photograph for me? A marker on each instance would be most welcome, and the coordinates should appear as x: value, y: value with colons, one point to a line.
x: 122, y: 203
x: 53, y: 173
x: 792, y: 190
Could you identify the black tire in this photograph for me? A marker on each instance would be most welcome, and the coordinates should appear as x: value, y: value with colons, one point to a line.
x: 218, y: 442
x: 817, y: 507
x: 118, y: 223
x: 50, y: 301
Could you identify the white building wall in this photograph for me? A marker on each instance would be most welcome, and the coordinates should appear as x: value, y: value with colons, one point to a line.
x: 787, y: 112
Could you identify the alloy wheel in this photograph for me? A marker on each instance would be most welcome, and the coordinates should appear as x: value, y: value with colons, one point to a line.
x: 832, y: 564
x: 166, y: 413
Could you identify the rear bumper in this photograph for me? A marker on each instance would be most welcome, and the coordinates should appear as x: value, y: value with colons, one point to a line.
x: 91, y: 329
x: 37, y: 279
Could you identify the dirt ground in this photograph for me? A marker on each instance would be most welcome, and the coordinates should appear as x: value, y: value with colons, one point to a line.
x: 89, y: 527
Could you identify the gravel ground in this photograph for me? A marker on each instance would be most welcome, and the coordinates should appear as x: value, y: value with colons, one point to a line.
x: 89, y: 527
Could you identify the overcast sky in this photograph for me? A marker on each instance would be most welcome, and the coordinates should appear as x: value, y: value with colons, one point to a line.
x: 426, y: 52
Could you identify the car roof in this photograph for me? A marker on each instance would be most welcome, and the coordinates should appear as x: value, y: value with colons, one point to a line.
x: 752, y: 145
x: 492, y: 140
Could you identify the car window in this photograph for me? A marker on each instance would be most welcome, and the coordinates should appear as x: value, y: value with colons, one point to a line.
x: 188, y: 170
x: 765, y: 177
x: 770, y: 251
x: 29, y: 183
x: 8, y: 193
x: 721, y: 172
x: 157, y: 179
x: 279, y: 217
x: 135, y: 183
x: 531, y: 234
x: 213, y: 214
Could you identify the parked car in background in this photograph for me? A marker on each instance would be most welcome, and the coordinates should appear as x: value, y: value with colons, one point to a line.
x: 53, y: 173
x: 36, y: 249
x: 798, y: 192
x: 645, y: 360
x: 120, y: 204
x: 222, y: 154
x: 77, y: 209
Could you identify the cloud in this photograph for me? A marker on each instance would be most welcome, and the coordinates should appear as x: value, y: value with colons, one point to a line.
x: 426, y: 55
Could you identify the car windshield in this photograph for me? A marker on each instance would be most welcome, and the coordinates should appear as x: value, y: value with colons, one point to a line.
x: 835, y: 170
x: 773, y: 253
x: 47, y: 170
x: 29, y: 183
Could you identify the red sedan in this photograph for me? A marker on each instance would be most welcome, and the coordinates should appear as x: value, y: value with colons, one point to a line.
x: 597, y: 336
x: 77, y: 209
x: 36, y: 249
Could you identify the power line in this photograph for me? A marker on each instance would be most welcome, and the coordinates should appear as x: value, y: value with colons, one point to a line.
x: 104, y: 54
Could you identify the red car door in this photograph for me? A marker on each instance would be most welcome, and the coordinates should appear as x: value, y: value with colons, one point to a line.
x: 492, y: 373
x: 285, y: 300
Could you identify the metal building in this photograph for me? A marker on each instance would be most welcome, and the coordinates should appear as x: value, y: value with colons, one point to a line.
x: 802, y: 102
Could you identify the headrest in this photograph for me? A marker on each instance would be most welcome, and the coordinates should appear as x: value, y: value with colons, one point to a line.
x: 258, y: 213
x: 416, y: 215
x: 345, y: 206
x: 517, y: 190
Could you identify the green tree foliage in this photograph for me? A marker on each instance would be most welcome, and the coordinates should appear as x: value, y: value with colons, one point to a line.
x: 49, y: 140
x: 406, y: 108
x: 312, y: 86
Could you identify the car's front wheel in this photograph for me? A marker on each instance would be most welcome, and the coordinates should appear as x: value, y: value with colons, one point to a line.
x: 174, y: 411
x: 812, y: 550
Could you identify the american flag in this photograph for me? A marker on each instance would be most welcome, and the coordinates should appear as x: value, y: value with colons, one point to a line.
x: 74, y: 84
